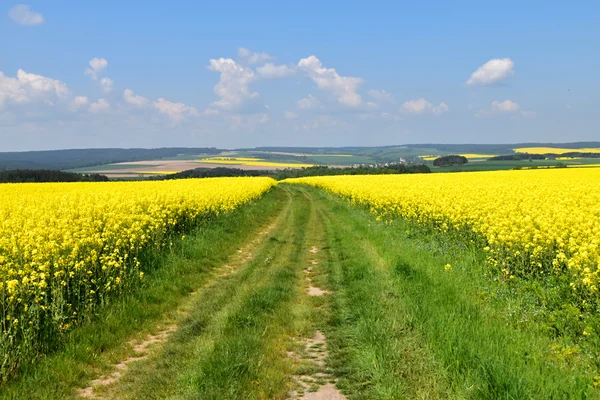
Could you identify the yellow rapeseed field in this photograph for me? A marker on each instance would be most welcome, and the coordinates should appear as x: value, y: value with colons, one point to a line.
x: 529, y: 222
x: 65, y: 248
x: 554, y: 150
x: 257, y: 162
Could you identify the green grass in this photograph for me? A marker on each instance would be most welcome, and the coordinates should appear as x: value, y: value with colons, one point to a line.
x: 233, y: 345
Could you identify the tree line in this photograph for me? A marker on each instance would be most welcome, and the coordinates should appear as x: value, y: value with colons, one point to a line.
x: 317, y: 170
x: 45, y: 175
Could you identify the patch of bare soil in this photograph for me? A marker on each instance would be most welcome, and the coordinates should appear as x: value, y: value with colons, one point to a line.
x: 315, y: 291
x: 313, y: 381
x: 141, y: 349
x: 316, y: 382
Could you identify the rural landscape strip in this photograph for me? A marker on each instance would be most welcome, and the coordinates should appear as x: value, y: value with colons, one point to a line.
x: 323, y: 302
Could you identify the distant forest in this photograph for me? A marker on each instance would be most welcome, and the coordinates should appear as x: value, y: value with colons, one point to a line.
x: 319, y: 170
x: 323, y: 170
x: 45, y: 175
x: 213, y: 173
x: 80, y: 158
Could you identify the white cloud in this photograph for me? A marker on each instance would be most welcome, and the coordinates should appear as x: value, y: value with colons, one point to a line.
x: 99, y: 107
x: 30, y: 88
x: 135, y: 100
x: 272, y: 71
x: 233, y: 84
x: 41, y: 84
x: 80, y: 101
x: 372, y: 105
x: 290, y: 115
x: 416, y: 106
x: 175, y: 111
x: 422, y: 106
x: 249, y: 57
x: 504, y: 106
x: 97, y: 65
x: 106, y: 84
x: 22, y: 14
x: 381, y: 95
x: 441, y: 108
x: 499, y: 107
x: 492, y: 72
x: 308, y: 103
x: 342, y: 87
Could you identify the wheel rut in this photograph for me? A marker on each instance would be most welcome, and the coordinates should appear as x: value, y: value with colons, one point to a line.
x: 313, y: 379
x: 99, y: 388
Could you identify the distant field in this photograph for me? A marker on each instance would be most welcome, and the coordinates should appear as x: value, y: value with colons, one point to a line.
x: 137, y: 169
x: 339, y: 159
x: 252, y: 162
x: 468, y: 156
x: 187, y: 157
x: 554, y: 150
x: 281, y: 158
x: 110, y: 167
x: 511, y: 164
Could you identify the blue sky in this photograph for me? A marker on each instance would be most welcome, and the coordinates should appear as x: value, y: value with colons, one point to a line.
x: 243, y: 74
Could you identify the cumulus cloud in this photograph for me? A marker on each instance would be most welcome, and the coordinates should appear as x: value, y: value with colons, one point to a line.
x: 99, y: 107
x: 272, y: 71
x: 249, y: 57
x: 97, y: 65
x: 308, y: 103
x: 80, y: 101
x: 106, y: 84
x: 30, y: 88
x: 290, y: 115
x: 441, y: 108
x: 233, y: 85
x: 24, y: 15
x: 492, y: 72
x: 135, y: 100
x: 342, y: 87
x: 381, y: 95
x: 422, y: 106
x: 504, y: 106
x: 499, y: 107
x: 175, y: 111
